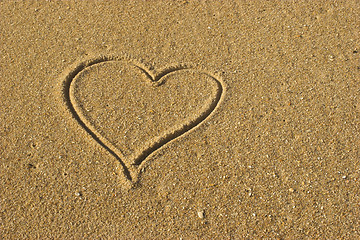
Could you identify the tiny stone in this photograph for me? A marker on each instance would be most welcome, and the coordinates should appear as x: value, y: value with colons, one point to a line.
x: 344, y: 177
x: 200, y: 214
x: 291, y: 190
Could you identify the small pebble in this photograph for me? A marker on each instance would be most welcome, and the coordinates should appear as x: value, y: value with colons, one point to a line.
x: 200, y: 214
x: 78, y: 194
x: 291, y: 190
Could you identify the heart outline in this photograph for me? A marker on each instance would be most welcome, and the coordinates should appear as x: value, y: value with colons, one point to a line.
x: 133, y: 172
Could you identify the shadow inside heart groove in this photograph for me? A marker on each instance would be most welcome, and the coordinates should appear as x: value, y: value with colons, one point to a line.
x: 132, y: 111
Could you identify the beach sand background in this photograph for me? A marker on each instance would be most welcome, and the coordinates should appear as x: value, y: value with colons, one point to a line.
x: 278, y: 158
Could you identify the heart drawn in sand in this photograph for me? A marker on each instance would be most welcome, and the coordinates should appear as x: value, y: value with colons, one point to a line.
x: 132, y: 111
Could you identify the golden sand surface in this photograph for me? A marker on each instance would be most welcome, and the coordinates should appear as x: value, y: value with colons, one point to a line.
x: 180, y: 120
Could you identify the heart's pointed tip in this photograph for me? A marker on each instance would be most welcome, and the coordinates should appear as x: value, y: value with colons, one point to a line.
x: 134, y: 172
x: 128, y: 175
x: 156, y: 83
x: 130, y: 184
x: 126, y: 185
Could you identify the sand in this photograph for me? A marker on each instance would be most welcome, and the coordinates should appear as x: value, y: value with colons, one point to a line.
x: 180, y: 120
